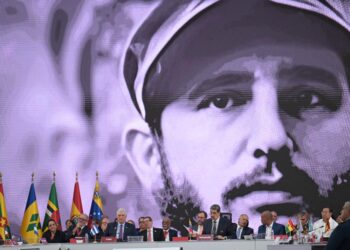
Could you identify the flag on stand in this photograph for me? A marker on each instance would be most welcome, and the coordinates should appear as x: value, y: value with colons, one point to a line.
x: 52, y: 209
x: 189, y: 228
x: 96, y: 210
x: 77, y: 206
x: 290, y: 227
x: 30, y: 228
x: 94, y: 230
x: 5, y: 232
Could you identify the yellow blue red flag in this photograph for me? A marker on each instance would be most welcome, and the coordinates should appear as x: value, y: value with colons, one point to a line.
x: 96, y: 210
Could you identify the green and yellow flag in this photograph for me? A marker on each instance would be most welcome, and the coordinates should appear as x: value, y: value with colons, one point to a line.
x: 4, y: 223
x: 31, y: 228
x: 52, y: 210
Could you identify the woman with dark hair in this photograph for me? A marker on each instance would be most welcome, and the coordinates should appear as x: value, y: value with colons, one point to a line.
x: 53, y: 235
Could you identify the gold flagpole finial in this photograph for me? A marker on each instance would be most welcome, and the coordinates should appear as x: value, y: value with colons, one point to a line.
x: 33, y: 177
x: 76, y: 176
x: 96, y: 175
x: 54, y: 176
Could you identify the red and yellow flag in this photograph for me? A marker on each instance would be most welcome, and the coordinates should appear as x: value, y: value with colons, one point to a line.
x: 4, y: 223
x: 77, y: 205
x: 290, y: 227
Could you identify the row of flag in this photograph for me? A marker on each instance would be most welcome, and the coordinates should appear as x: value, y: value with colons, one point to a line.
x: 31, y: 229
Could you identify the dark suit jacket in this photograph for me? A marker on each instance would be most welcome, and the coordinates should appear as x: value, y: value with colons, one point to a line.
x: 59, y: 237
x: 246, y: 231
x: 340, y: 238
x: 100, y: 234
x: 172, y: 233
x: 82, y: 233
x: 277, y: 229
x: 225, y: 228
x: 157, y: 234
x: 129, y: 230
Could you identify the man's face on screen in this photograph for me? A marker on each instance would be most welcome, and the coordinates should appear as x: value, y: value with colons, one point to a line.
x: 262, y: 128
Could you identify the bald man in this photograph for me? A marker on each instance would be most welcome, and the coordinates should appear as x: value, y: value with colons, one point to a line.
x: 269, y: 227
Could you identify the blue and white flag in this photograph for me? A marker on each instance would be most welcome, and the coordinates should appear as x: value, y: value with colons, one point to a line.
x: 94, y: 230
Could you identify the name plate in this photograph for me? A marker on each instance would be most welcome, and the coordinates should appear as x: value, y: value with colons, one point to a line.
x: 205, y: 237
x: 180, y: 238
x: 108, y: 239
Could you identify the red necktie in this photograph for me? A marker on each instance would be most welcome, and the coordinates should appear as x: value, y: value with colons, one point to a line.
x: 78, y: 231
x: 328, y: 226
x: 165, y: 234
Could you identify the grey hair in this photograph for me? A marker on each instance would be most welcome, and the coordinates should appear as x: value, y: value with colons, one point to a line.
x: 121, y: 210
x: 347, y: 205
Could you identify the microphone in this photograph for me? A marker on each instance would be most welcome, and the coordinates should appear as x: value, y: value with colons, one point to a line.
x: 316, y: 229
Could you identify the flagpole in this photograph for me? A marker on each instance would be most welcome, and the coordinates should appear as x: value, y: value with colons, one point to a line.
x: 76, y: 176
x: 33, y: 177
x: 54, y: 176
x: 96, y: 175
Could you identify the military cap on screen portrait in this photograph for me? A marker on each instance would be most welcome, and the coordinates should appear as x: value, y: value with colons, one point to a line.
x: 169, y: 17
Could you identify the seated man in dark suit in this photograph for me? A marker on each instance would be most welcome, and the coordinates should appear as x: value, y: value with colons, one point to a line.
x: 103, y: 227
x: 242, y: 228
x: 218, y: 226
x: 80, y: 229
x: 152, y: 233
x: 198, y: 228
x: 168, y: 232
x: 120, y: 228
x: 340, y: 238
x: 142, y: 225
x: 269, y: 226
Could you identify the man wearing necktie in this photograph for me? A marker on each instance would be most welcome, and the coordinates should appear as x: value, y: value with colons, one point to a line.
x: 152, y: 233
x: 242, y: 228
x: 198, y: 228
x: 220, y: 227
x: 324, y: 227
x: 120, y: 228
x: 80, y: 229
x: 168, y: 232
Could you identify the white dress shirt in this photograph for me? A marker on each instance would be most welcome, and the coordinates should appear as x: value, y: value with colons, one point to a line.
x: 118, y: 230
x: 239, y: 232
x: 199, y: 229
x: 320, y: 228
x: 150, y: 230
x: 166, y: 235
x: 269, y: 232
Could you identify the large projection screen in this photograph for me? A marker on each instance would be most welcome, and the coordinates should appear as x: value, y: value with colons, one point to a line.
x: 177, y: 104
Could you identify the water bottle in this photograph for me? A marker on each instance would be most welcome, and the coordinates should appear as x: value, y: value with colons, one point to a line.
x: 86, y: 238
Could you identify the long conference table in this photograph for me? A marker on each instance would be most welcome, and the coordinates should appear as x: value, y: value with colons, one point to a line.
x: 190, y: 245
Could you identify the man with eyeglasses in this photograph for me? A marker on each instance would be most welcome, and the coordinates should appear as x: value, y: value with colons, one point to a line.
x: 80, y: 229
x: 120, y: 228
x: 198, y: 228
